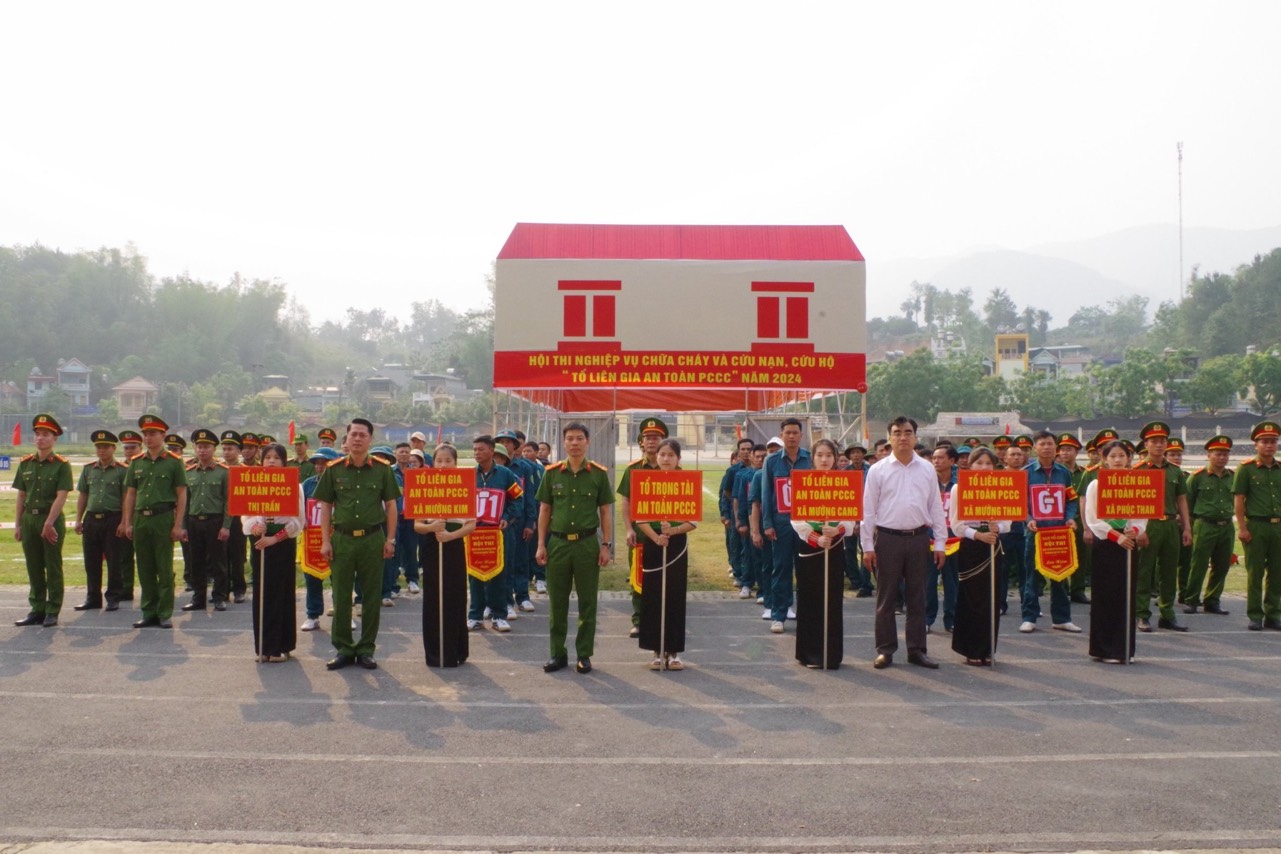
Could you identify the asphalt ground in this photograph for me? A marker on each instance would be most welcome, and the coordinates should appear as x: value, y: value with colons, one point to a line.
x: 117, y: 737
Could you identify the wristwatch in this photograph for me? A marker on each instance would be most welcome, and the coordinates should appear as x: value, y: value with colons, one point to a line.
x: 391, y: 540
x: 605, y: 545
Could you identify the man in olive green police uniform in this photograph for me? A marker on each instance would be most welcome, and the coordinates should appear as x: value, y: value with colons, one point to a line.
x: 1210, y: 502
x: 249, y: 444
x: 100, y: 498
x: 130, y: 447
x: 1159, y: 544
x: 575, y: 502
x: 207, y: 526
x: 1174, y: 456
x: 327, y: 437
x: 357, y: 499
x: 155, y: 503
x: 302, y: 459
x: 236, y: 539
x: 42, y: 482
x: 176, y: 445
x: 652, y: 431
x: 1257, y: 491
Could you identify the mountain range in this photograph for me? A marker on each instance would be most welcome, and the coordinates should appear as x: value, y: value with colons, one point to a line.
x: 1143, y: 260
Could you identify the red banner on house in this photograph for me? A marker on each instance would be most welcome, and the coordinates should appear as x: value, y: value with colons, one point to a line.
x: 260, y: 491
x: 1131, y: 493
x: 1056, y: 552
x: 666, y: 496
x: 440, y: 493
x: 827, y: 496
x: 484, y: 553
x: 991, y: 496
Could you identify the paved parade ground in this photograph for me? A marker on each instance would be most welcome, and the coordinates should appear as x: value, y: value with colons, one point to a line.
x: 178, y: 736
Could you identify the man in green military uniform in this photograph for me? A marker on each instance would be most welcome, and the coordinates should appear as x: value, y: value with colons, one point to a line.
x: 249, y: 444
x: 302, y: 459
x: 652, y: 431
x: 130, y: 447
x: 42, y: 482
x: 207, y: 526
x: 1210, y: 501
x: 100, y: 498
x: 575, y: 501
x: 1159, y: 544
x: 155, y: 503
x: 357, y: 499
x: 1257, y: 491
x: 236, y: 539
x: 327, y: 437
x: 1174, y: 456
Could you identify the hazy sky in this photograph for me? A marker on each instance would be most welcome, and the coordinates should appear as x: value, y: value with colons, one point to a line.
x: 378, y: 154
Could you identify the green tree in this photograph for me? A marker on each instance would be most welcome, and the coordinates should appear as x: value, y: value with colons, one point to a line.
x: 1261, y: 379
x: 1128, y: 389
x: 1000, y: 312
x: 1213, y: 387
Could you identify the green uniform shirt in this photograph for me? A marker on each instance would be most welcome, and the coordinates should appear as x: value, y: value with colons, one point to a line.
x: 306, y: 468
x: 1210, y: 495
x: 625, y: 484
x: 1261, y: 488
x: 575, y: 497
x: 1175, y: 485
x: 357, y: 493
x: 207, y: 491
x: 41, y: 480
x: 105, y: 487
x: 156, y: 480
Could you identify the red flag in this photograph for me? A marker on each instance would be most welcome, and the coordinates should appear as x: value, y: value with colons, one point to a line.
x: 440, y: 433
x: 738, y: 431
x: 17, y: 435
x: 291, y: 432
x: 1007, y: 428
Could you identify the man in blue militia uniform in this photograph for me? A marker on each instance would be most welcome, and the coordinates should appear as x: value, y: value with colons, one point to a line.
x: 498, y: 505
x: 537, y: 574
x: 314, y: 602
x: 100, y: 499
x: 575, y: 502
x: 757, y: 533
x: 752, y: 571
x: 1046, y: 470
x: 1159, y: 544
x: 155, y: 504
x: 652, y: 431
x: 1256, y: 493
x: 528, y: 476
x: 513, y: 538
x: 42, y: 483
x: 776, y: 516
x: 357, y: 500
x: 859, y: 576
x: 1211, y: 504
x: 725, y: 501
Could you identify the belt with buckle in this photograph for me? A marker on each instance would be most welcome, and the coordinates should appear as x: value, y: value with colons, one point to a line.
x: 157, y: 510
x: 32, y: 511
x: 1218, y: 523
x: 205, y: 517
x: 98, y: 517
x: 360, y: 532
x: 1271, y: 520
x: 574, y: 535
x: 900, y: 532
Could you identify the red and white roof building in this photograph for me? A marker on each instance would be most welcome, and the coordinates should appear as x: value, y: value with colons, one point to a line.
x: 592, y: 318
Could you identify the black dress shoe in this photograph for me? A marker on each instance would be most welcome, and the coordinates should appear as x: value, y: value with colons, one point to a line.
x: 1253, y: 625
x: 87, y: 606
x: 1215, y: 609
x: 50, y: 620
x: 1191, y: 609
x: 30, y: 620
x: 920, y: 659
x: 165, y: 623
x: 192, y: 606
x: 1163, y: 623
x: 883, y: 661
x: 338, y: 662
x: 220, y: 606
x: 367, y: 662
x: 1275, y: 625
x: 1080, y: 599
x: 584, y: 665
x: 112, y: 606
x: 146, y: 621
x: 554, y: 664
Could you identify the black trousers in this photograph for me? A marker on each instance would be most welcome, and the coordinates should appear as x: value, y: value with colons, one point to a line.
x: 206, y: 558
x: 236, y: 545
x: 101, y: 544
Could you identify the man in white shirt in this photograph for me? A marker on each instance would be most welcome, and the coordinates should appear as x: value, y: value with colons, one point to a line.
x: 900, y: 504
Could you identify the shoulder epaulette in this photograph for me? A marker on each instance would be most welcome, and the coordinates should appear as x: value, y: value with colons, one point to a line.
x: 223, y: 465
x: 554, y: 466
x: 634, y: 463
x: 137, y: 455
x: 379, y: 460
x: 597, y: 465
x: 1197, y: 472
x: 27, y: 457
x: 176, y: 456
x: 60, y: 458
x: 192, y: 465
x: 1253, y: 461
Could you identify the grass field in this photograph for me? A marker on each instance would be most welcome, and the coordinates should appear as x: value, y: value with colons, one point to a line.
x: 707, y: 544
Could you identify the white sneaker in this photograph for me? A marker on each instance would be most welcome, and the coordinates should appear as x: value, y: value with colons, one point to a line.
x: 354, y: 626
x: 745, y: 592
x: 414, y: 588
x: 766, y: 614
x: 502, y: 626
x: 473, y: 625
x: 527, y: 605
x: 387, y: 603
x: 634, y: 633
x: 512, y: 613
x: 791, y: 613
x: 540, y: 586
x: 776, y: 628
x: 1068, y: 627
x: 395, y: 594
x: 1027, y: 627
x: 310, y: 624
x: 487, y: 614
x: 760, y: 600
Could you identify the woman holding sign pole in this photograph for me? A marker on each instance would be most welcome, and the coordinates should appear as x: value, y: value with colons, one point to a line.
x: 820, y: 563
x: 979, y: 555
x: 665, y: 577
x: 274, y: 553
x: 1115, y: 569
x: 444, y: 579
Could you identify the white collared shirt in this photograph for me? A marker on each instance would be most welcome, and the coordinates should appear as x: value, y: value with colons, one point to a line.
x: 903, y: 497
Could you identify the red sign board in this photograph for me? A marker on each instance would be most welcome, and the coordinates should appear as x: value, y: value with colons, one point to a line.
x: 666, y: 496
x: 440, y: 493
x: 991, y: 496
x: 1049, y: 502
x: 827, y: 496
x: 262, y: 491
x: 1131, y: 493
x: 1056, y: 557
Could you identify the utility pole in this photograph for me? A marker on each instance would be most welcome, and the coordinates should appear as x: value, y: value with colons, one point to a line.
x: 1181, y: 278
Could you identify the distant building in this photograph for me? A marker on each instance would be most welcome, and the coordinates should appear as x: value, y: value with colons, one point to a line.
x: 275, y: 397
x: 1011, y: 354
x: 134, y: 398
x: 73, y: 378
x: 1065, y: 360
